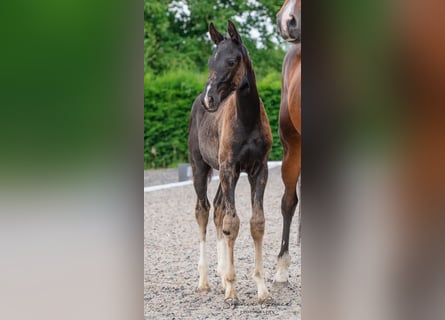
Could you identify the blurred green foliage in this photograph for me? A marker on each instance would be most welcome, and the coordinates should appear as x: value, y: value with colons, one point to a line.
x: 176, y: 51
x: 270, y: 92
x: 63, y: 83
x: 167, y: 103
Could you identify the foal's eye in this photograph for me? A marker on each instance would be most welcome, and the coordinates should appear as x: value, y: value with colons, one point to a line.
x: 230, y: 63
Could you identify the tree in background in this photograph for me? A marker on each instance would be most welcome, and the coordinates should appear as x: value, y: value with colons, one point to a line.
x: 175, y: 33
x: 176, y: 50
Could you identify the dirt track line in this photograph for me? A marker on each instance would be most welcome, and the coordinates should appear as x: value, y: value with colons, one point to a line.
x: 270, y: 164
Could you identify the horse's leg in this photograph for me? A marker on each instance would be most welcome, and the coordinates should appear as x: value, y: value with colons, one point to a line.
x: 290, y: 170
x: 200, y: 178
x: 299, y: 209
x: 257, y: 224
x: 230, y: 226
x: 218, y: 204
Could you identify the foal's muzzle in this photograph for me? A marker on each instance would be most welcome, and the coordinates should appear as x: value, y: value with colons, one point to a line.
x: 210, y: 99
x: 209, y: 103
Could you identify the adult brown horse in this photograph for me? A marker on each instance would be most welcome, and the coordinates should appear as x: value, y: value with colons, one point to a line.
x: 229, y: 131
x: 289, y: 26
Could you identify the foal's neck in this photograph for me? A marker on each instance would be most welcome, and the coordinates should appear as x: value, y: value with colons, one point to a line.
x: 247, y: 99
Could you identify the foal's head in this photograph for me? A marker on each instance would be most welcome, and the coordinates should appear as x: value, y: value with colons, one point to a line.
x: 289, y: 21
x: 227, y: 66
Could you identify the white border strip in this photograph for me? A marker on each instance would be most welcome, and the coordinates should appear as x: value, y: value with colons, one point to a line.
x: 270, y: 165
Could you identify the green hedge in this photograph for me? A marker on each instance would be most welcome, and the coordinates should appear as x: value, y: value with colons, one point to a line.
x: 167, y: 103
x: 269, y: 89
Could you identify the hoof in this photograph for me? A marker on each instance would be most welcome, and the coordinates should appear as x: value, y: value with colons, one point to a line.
x: 231, y: 303
x: 263, y: 296
x: 283, y: 264
x: 203, y: 289
x: 280, y: 284
x: 266, y: 301
x: 282, y: 276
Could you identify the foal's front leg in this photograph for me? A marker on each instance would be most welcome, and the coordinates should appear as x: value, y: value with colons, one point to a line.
x: 230, y: 226
x: 200, y: 176
x: 257, y: 226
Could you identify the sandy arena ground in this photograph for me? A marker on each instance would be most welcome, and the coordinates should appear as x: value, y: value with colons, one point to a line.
x: 172, y: 251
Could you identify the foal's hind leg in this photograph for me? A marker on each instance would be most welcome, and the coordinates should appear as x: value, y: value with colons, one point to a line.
x: 200, y: 176
x: 221, y: 248
x: 290, y: 171
x: 257, y: 225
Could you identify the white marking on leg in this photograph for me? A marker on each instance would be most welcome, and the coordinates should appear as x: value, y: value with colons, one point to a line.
x: 222, y: 256
x: 283, y: 264
x: 203, y: 267
x: 258, y: 274
x: 229, y: 289
x: 206, y: 97
x: 263, y: 293
x: 222, y: 259
x: 230, y: 276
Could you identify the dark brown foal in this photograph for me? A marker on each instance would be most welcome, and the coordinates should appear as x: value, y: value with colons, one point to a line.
x: 229, y: 131
x: 289, y: 25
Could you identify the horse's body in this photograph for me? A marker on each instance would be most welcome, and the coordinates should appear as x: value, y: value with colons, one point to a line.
x: 229, y: 131
x: 289, y: 25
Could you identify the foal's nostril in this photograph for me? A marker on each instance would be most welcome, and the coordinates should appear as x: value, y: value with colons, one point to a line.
x: 292, y: 21
x: 211, y: 100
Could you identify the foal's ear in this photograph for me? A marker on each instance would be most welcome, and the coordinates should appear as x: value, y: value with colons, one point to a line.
x: 215, y: 35
x: 234, y: 35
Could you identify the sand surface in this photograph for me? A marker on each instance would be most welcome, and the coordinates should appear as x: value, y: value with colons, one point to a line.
x: 172, y: 252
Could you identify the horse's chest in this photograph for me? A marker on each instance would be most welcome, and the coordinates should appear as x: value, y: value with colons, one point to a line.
x: 243, y: 149
x: 251, y: 150
x: 209, y: 152
x: 216, y: 149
